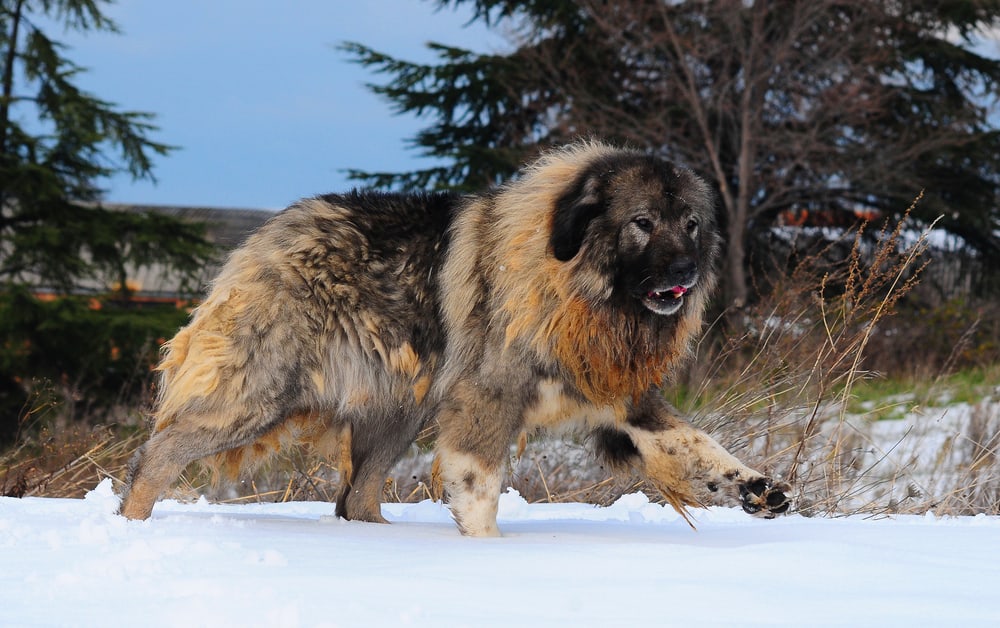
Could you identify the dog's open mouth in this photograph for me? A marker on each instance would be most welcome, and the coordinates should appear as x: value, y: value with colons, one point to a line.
x: 665, y: 301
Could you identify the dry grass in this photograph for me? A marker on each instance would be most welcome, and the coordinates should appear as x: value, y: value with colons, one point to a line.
x: 775, y: 383
x: 66, y: 463
x: 784, y: 385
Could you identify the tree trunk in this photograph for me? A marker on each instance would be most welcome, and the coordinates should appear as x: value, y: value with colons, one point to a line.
x: 736, y: 279
x: 8, y: 74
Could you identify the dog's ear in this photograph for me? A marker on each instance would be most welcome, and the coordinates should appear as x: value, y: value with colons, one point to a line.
x: 574, y: 211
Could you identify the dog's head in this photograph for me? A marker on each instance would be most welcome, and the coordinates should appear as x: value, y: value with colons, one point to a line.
x: 650, y: 227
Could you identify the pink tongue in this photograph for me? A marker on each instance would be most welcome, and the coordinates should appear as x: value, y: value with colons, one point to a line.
x: 676, y: 292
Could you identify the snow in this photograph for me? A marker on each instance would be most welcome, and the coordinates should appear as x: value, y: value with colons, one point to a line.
x: 66, y: 562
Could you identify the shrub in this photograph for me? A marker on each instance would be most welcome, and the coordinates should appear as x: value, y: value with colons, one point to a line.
x: 75, y: 357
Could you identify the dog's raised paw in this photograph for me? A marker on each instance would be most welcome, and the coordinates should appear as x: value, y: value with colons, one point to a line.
x: 764, y: 497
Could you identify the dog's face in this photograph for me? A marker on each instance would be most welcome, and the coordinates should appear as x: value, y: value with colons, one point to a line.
x: 649, y: 226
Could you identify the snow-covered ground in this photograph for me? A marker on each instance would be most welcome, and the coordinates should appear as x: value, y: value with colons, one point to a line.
x: 70, y: 562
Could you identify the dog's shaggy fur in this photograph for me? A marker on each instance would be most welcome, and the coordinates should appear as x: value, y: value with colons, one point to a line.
x: 349, y: 322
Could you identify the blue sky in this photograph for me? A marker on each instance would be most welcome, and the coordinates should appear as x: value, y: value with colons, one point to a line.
x: 262, y: 106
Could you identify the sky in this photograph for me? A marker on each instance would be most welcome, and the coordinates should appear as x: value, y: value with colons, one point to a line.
x: 263, y: 108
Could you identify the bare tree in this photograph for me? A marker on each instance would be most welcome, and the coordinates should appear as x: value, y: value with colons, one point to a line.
x: 837, y: 107
x: 784, y: 105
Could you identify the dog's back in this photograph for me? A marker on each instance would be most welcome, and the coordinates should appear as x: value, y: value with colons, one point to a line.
x: 324, y: 318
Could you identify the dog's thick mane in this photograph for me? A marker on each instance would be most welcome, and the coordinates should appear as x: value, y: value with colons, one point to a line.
x: 562, y: 310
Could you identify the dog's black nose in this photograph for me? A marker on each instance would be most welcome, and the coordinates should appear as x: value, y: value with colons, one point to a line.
x: 682, y: 271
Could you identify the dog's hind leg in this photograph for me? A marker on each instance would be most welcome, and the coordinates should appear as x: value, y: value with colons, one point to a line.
x: 361, y: 487
x: 375, y: 447
x: 159, y: 462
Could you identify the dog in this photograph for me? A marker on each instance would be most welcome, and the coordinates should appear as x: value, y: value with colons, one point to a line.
x: 565, y: 296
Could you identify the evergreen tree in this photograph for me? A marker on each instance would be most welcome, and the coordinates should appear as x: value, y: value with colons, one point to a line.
x: 490, y: 112
x: 834, y: 107
x: 57, y: 143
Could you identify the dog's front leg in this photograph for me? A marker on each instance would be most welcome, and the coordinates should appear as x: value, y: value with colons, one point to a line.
x: 477, y: 426
x: 685, y: 463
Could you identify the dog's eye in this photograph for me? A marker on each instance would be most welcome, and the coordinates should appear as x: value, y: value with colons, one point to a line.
x: 692, y: 227
x: 643, y: 223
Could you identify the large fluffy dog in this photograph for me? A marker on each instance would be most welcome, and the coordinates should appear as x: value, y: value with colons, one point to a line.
x: 350, y: 322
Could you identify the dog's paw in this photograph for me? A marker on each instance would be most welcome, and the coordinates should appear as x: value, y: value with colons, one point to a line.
x: 764, y: 497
